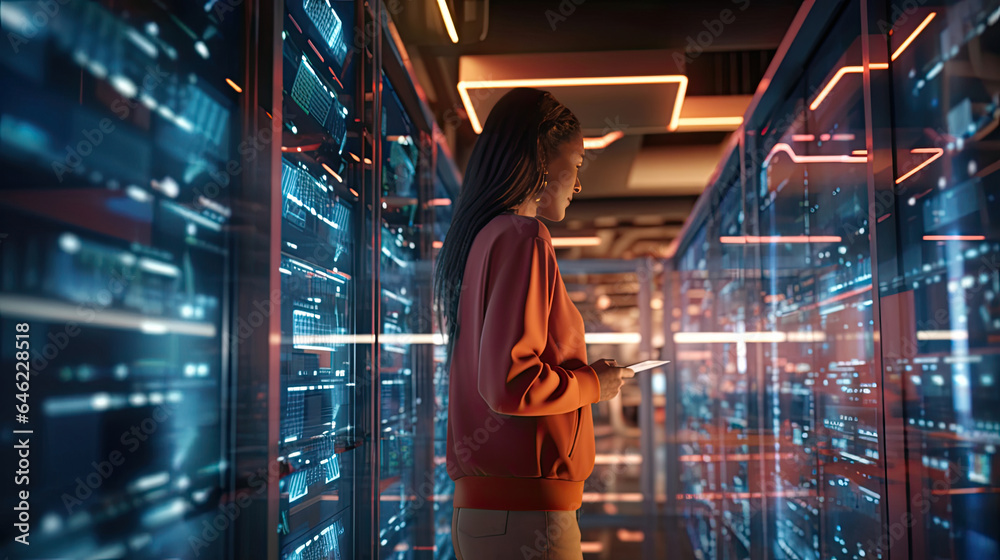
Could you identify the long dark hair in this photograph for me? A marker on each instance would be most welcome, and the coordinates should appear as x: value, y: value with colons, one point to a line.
x: 523, y: 131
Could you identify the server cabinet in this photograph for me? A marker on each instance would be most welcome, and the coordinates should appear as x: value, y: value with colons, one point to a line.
x: 323, y: 282
x: 123, y: 152
x: 832, y: 315
x: 216, y: 240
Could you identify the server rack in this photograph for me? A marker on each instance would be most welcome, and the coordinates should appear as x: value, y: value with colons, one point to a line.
x: 123, y: 154
x: 833, y: 330
x: 225, y: 256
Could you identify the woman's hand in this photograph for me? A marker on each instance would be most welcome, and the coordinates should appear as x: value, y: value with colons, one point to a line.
x: 611, y: 376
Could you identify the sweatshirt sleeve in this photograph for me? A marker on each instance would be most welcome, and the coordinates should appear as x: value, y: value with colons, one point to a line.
x: 512, y: 377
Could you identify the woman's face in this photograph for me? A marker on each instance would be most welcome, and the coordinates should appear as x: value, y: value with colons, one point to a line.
x: 563, y: 182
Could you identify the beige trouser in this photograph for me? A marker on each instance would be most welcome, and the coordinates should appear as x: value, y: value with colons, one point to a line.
x: 487, y: 534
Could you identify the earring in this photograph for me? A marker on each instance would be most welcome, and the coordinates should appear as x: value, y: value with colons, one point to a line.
x: 545, y: 181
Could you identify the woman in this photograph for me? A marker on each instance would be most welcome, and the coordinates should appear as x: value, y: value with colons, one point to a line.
x: 520, y: 430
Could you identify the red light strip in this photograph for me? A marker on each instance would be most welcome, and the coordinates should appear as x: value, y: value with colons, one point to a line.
x: 315, y: 50
x: 783, y: 147
x: 335, y: 77
x: 753, y: 239
x: 295, y: 22
x: 954, y: 238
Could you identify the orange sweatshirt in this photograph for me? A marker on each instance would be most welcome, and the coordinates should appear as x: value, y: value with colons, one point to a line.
x: 520, y: 430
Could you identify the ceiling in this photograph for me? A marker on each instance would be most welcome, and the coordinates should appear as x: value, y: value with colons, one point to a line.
x: 639, y: 189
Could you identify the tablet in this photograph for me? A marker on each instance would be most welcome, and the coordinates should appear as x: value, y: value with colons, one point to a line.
x: 648, y: 364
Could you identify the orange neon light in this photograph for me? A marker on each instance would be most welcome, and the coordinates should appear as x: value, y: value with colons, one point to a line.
x: 783, y: 147
x: 600, y: 142
x: 439, y: 202
x: 874, y: 66
x: 617, y: 458
x: 710, y: 121
x: 449, y: 24
x: 437, y: 244
x: 913, y: 35
x: 356, y: 158
x: 705, y: 458
x: 682, y: 82
x: 624, y: 535
x: 840, y: 74
x: 803, y: 137
x: 612, y: 496
x: 315, y: 50
x: 859, y: 153
x: 954, y: 238
x: 332, y: 172
x: 234, y: 86
x: 306, y: 147
x: 576, y: 241
x: 753, y: 239
x: 938, y: 152
x: 354, y: 192
x: 335, y: 77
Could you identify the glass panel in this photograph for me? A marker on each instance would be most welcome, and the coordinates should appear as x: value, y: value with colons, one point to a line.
x: 822, y: 399
x: 941, y: 322
x: 120, y: 124
x: 713, y: 448
x: 319, y: 283
x: 444, y: 487
x: 401, y: 274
